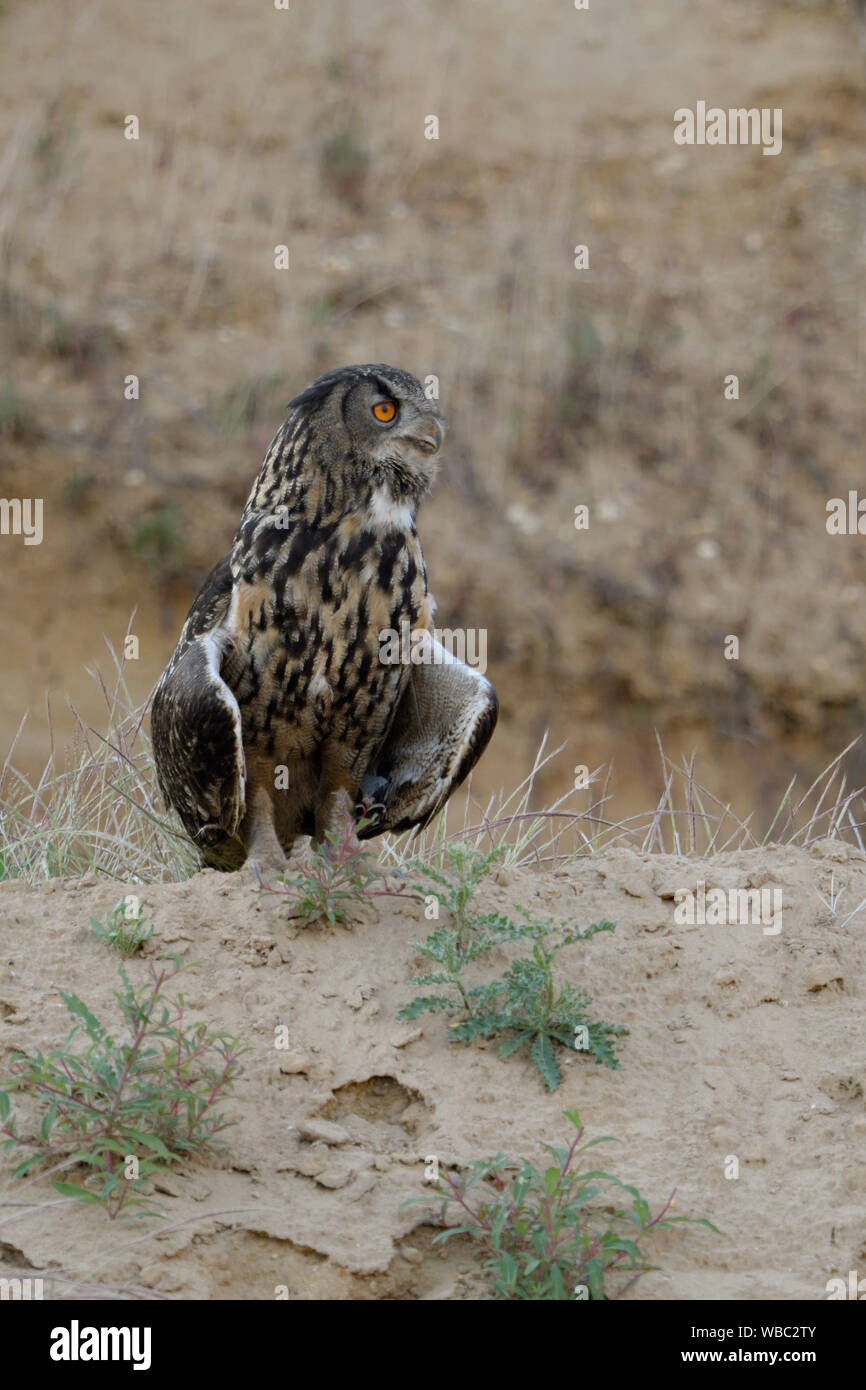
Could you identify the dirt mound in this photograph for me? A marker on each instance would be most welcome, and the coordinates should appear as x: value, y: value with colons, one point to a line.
x: 744, y: 1041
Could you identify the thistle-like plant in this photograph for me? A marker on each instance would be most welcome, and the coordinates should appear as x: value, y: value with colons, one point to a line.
x: 525, y: 1007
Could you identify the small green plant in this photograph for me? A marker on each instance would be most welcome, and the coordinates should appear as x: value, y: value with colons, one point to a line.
x: 524, y: 1007
x: 52, y: 147
x: 76, y: 490
x: 530, y: 1011
x: 123, y: 927
x: 344, y: 164
x: 338, y: 878
x: 17, y: 418
x: 469, y: 866
x: 124, y: 1109
x: 56, y: 331
x: 552, y: 1235
x: 335, y: 68
x: 156, y: 540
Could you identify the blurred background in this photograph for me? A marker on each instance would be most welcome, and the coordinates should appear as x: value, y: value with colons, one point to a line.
x: 454, y: 257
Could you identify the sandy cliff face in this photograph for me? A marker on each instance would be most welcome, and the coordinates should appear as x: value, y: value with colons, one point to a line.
x: 744, y: 1041
x: 602, y: 387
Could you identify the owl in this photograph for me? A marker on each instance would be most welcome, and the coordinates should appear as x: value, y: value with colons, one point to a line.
x: 279, y: 714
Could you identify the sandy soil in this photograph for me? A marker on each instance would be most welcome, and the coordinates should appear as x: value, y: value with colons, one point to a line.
x: 740, y: 1044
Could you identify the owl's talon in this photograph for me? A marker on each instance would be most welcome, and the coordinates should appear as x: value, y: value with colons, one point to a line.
x: 263, y: 875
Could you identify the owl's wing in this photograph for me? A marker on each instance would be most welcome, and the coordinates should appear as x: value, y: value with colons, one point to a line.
x: 442, y: 725
x: 196, y: 724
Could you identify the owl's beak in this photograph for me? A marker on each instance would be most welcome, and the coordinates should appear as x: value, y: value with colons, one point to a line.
x: 428, y: 436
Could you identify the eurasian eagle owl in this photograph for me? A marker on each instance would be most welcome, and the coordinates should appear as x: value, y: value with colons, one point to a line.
x: 277, y: 716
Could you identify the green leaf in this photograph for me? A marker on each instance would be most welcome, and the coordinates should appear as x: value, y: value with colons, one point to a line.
x: 498, y: 1224
x: 557, y: 1286
x: 692, y: 1221
x: 594, y: 1277
x: 27, y: 1165
x: 105, y: 1144
x: 69, y: 1189
x: 76, y: 1006
x: 519, y: 1191
x: 48, y: 1121
x: 551, y: 1180
x: 442, y: 1236
x: 544, y: 1059
x: 628, y: 1247
x: 152, y: 1142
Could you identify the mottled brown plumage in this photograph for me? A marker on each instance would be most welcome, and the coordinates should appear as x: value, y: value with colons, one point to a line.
x: 276, y: 715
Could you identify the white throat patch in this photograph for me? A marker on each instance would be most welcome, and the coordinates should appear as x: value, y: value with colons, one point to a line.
x: 386, y: 514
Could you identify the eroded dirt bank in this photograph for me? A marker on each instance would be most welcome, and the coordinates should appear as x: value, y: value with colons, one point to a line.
x: 741, y: 1043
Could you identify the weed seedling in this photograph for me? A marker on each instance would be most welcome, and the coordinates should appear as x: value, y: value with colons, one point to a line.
x: 338, y: 878
x: 123, y: 928
x: 552, y: 1235
x: 124, y: 1109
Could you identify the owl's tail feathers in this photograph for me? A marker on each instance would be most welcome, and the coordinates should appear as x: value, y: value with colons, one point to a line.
x: 442, y: 726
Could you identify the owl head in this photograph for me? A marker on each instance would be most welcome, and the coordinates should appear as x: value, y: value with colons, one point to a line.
x: 380, y: 420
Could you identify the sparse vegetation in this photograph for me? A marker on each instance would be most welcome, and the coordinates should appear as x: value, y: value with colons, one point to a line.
x: 553, y: 1235
x: 53, y: 146
x: 344, y: 164
x: 124, y: 927
x: 250, y: 402
x: 95, y: 810
x: 524, y: 1008
x: 157, y: 541
x: 123, y: 1109
x: 17, y: 419
x: 338, y: 877
x: 468, y: 866
x: 688, y: 818
x: 76, y: 489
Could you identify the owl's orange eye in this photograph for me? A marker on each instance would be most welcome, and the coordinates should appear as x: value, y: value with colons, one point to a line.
x: 385, y: 411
